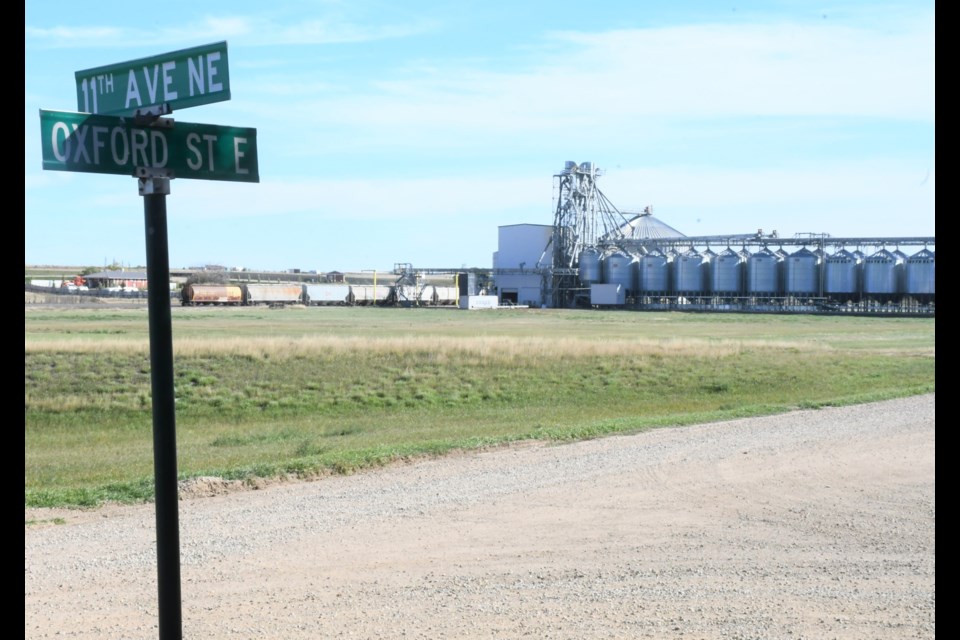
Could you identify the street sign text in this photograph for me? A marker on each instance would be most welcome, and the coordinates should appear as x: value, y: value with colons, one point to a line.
x: 175, y: 80
x: 112, y: 144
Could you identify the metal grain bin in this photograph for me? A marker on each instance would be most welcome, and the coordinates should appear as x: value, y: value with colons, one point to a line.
x: 842, y: 275
x: 920, y: 279
x: 763, y: 273
x: 801, y: 273
x: 882, y: 274
x: 619, y: 268
x: 590, y: 266
x: 726, y: 273
x: 653, y: 273
x: 687, y: 270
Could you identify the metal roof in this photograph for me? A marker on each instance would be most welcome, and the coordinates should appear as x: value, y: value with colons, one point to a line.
x: 644, y: 226
x: 117, y: 275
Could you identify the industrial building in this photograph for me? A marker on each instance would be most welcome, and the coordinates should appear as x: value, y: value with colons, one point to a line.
x: 594, y: 255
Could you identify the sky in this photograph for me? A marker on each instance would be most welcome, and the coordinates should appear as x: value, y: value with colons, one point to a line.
x: 409, y: 132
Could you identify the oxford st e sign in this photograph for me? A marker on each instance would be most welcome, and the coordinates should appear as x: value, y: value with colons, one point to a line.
x: 163, y: 148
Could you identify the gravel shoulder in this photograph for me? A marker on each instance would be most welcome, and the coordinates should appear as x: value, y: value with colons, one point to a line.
x: 812, y: 524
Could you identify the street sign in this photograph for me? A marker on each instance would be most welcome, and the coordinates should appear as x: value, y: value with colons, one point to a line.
x: 114, y: 144
x: 157, y: 84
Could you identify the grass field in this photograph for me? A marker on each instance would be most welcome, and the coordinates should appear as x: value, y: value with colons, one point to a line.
x: 305, y: 391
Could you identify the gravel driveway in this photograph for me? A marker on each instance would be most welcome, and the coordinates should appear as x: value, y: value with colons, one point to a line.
x: 814, y: 524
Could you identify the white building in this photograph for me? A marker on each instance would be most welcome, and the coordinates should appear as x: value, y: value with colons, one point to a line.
x: 523, y: 252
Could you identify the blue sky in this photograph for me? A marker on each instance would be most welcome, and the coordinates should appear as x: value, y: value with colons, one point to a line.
x: 408, y: 132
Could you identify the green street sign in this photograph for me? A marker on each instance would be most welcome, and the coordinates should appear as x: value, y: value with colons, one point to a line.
x: 157, y: 84
x: 114, y: 144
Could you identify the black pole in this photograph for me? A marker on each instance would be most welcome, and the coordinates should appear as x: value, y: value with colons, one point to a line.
x: 154, y: 192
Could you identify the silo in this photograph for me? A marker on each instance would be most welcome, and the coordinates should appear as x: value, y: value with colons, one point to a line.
x: 618, y: 268
x: 653, y: 273
x: 590, y: 266
x: 920, y: 278
x: 688, y: 273
x: 882, y: 275
x: 763, y: 273
x: 726, y: 273
x: 841, y: 275
x: 801, y: 273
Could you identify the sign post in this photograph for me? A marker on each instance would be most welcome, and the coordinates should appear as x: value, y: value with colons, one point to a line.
x: 119, y: 131
x: 154, y: 192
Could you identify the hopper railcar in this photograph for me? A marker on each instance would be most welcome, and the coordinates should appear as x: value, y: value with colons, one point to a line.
x: 327, y: 294
x: 211, y: 294
x: 272, y: 294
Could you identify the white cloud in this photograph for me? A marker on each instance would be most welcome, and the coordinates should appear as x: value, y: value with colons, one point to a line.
x: 247, y: 31
x: 618, y: 84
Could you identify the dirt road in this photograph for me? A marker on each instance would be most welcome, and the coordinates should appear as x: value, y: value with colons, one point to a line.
x: 814, y: 524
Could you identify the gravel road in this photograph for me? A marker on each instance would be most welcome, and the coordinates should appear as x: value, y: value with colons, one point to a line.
x: 813, y: 524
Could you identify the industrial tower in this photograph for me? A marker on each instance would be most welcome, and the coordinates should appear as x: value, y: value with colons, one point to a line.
x: 583, y: 216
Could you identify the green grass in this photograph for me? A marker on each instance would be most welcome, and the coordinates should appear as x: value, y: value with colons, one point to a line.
x: 265, y: 393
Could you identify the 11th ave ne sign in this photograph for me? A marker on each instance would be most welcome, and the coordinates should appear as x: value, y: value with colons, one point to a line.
x: 112, y: 144
x: 158, y: 84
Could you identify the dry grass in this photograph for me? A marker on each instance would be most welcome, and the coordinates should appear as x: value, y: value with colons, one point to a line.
x: 262, y: 393
x: 485, y: 347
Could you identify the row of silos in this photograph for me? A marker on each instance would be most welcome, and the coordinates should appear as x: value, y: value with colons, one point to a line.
x: 764, y: 273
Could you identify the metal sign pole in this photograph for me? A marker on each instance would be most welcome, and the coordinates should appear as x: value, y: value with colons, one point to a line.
x: 154, y: 192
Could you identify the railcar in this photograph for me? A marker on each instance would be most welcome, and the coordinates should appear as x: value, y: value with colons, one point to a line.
x: 327, y: 294
x: 272, y: 294
x: 365, y: 294
x: 211, y: 294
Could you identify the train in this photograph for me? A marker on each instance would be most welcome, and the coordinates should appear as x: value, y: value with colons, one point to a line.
x: 329, y: 294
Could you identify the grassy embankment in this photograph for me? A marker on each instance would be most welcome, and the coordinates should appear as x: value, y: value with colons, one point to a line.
x: 264, y: 393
